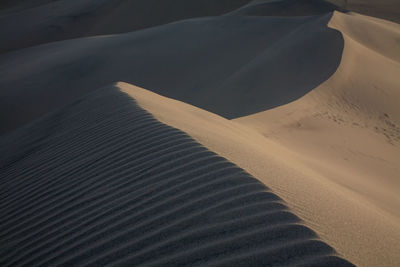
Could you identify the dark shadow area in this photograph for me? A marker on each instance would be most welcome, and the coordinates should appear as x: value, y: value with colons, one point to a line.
x: 102, y: 182
x: 231, y: 65
x: 34, y: 22
x: 18, y: 5
x: 287, y: 8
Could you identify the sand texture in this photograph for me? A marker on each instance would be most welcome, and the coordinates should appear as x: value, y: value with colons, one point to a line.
x: 348, y: 130
x: 102, y: 182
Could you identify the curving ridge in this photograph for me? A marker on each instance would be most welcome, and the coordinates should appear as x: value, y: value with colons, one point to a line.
x: 356, y: 110
x: 34, y: 22
x: 248, y: 59
x: 287, y: 8
x: 102, y: 182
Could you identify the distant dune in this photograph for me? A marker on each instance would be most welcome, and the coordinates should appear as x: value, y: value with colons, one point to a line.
x: 102, y: 182
x: 287, y: 8
x: 385, y: 9
x: 246, y: 58
x: 29, y: 23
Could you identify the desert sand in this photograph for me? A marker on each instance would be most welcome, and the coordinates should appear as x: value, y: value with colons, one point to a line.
x: 103, y: 182
x: 269, y: 135
x: 347, y: 129
x: 385, y: 9
x: 244, y: 56
x: 34, y: 22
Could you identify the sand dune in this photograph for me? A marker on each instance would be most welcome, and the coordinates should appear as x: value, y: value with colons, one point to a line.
x: 284, y: 94
x: 287, y: 8
x: 348, y: 130
x: 102, y: 182
x: 29, y: 23
x: 385, y: 9
x: 337, y: 212
x: 248, y: 58
x: 18, y: 5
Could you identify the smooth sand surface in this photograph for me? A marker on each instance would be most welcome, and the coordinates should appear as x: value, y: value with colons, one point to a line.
x: 385, y: 9
x: 348, y: 130
x: 286, y: 8
x: 102, y: 182
x: 244, y: 56
x: 34, y: 22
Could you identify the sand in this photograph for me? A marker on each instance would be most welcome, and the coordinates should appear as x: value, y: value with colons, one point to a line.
x: 34, y: 22
x: 385, y: 9
x: 288, y: 103
x: 102, y: 182
x: 286, y: 8
x: 347, y: 130
x: 261, y: 51
x: 336, y: 212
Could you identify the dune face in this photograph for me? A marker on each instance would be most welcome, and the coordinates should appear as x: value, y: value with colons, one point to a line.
x: 310, y: 180
x: 17, y: 5
x: 366, y: 106
x: 385, y: 9
x: 29, y: 23
x: 248, y: 58
x: 102, y: 182
x: 347, y: 130
x: 287, y: 8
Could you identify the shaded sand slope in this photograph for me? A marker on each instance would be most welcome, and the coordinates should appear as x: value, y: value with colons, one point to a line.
x: 17, y: 5
x: 286, y: 8
x: 385, y: 9
x: 198, y: 61
x: 348, y: 130
x: 363, y: 233
x: 30, y: 23
x: 102, y: 182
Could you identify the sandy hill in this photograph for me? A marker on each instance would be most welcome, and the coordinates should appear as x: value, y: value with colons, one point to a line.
x: 287, y: 8
x: 247, y: 58
x: 385, y: 9
x: 29, y: 23
x: 17, y: 5
x: 102, y: 182
x: 348, y: 130
x: 338, y: 201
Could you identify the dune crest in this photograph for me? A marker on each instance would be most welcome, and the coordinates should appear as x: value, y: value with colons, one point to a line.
x: 102, y: 182
x: 286, y: 8
x: 34, y: 22
x: 348, y: 130
x: 245, y: 55
x: 385, y: 9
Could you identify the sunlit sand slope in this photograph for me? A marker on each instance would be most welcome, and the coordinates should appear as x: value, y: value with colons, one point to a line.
x: 102, y: 182
x: 348, y: 131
